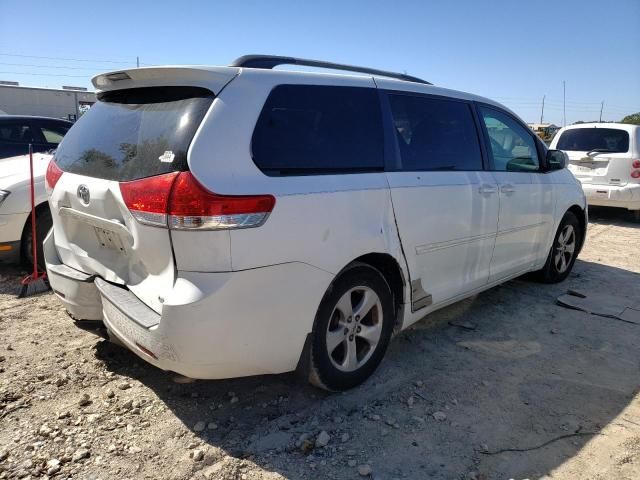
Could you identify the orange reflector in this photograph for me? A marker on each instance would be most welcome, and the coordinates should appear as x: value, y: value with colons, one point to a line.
x: 146, y: 350
x: 5, y: 248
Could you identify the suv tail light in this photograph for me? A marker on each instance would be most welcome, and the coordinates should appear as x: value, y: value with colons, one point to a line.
x: 52, y: 176
x: 179, y: 201
x: 147, y: 199
x: 192, y: 206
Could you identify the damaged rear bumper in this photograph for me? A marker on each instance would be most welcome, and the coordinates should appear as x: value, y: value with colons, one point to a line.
x: 212, y: 325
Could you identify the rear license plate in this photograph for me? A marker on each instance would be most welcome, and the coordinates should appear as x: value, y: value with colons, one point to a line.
x: 109, y: 239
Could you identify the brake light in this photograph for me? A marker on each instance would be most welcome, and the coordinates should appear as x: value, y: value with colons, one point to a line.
x: 147, y: 199
x: 635, y: 174
x: 52, y: 176
x: 179, y: 201
x: 635, y: 163
x: 192, y: 206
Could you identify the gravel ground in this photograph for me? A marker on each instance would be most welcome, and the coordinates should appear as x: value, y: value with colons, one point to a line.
x: 521, y: 388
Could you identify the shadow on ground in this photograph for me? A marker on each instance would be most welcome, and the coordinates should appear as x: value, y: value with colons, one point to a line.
x: 10, y: 276
x: 529, y: 373
x: 613, y: 216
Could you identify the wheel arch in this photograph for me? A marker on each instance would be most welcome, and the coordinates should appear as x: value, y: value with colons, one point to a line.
x: 581, y: 215
x: 42, y: 206
x: 390, y: 269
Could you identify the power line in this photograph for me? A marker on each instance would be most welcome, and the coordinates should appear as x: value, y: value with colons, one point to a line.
x: 65, y: 67
x: 124, y: 62
x: 46, y: 74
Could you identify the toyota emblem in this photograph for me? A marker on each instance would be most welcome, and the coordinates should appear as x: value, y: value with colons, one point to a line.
x: 83, y: 194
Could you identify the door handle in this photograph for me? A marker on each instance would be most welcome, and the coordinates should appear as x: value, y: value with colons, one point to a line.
x: 486, y: 188
x: 508, y: 188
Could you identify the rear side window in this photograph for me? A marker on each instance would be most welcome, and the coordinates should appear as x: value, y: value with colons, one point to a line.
x: 435, y: 134
x: 15, y: 131
x: 313, y: 129
x: 134, y: 133
x: 610, y: 140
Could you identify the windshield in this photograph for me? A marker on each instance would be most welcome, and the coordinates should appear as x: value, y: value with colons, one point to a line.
x: 609, y: 140
x: 134, y: 133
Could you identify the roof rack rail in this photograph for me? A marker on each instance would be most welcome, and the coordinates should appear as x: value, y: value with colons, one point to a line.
x: 270, y: 61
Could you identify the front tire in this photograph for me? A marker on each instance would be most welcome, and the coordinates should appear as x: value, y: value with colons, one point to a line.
x: 564, y: 250
x: 352, y: 329
x: 44, y: 223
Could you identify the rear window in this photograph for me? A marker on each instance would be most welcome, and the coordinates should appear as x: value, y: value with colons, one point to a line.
x: 610, y: 140
x: 313, y: 129
x: 134, y: 133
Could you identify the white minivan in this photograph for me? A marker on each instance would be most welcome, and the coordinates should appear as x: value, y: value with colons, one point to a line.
x: 244, y: 220
x: 605, y: 157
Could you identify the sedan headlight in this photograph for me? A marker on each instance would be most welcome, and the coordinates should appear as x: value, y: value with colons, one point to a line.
x: 3, y: 194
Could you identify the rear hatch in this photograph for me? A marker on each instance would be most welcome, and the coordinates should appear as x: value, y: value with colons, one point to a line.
x: 597, y: 155
x: 129, y: 135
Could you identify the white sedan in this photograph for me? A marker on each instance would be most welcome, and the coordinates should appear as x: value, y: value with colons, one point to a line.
x: 15, y: 207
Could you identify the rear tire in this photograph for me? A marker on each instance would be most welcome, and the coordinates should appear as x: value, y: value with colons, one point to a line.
x: 43, y: 225
x: 564, y: 250
x: 352, y: 329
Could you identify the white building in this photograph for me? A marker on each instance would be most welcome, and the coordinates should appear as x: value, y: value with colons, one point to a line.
x: 544, y: 130
x: 67, y: 102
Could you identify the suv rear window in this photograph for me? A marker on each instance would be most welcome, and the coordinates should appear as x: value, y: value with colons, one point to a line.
x: 610, y: 140
x: 314, y: 129
x: 134, y: 133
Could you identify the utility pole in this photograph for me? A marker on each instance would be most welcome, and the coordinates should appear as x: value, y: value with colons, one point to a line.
x: 138, y: 62
x: 542, y: 112
x: 601, y: 108
x: 564, y: 104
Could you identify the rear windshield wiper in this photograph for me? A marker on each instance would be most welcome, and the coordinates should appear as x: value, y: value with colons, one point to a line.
x: 598, y: 150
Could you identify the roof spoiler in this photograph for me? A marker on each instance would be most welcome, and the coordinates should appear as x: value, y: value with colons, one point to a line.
x: 271, y: 61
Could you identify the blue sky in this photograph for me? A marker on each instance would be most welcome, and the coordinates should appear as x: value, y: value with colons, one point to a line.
x: 512, y: 51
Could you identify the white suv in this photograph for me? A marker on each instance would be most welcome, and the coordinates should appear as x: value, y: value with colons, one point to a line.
x: 605, y: 157
x: 234, y: 221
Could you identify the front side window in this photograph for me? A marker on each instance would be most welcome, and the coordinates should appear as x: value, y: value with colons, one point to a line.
x: 313, y: 129
x: 53, y: 133
x: 511, y: 146
x: 435, y: 134
x: 606, y: 140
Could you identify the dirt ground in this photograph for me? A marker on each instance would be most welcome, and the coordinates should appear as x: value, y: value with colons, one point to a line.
x: 528, y: 389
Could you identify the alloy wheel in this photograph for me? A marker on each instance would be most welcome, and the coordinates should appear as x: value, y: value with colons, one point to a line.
x: 565, y: 248
x: 355, y: 328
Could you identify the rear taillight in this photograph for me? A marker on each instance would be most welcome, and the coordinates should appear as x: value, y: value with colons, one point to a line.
x: 52, y: 176
x: 194, y: 207
x: 179, y: 201
x: 635, y: 163
x: 148, y: 198
x: 635, y: 174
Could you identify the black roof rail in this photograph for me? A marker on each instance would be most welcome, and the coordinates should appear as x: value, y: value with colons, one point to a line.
x: 270, y: 61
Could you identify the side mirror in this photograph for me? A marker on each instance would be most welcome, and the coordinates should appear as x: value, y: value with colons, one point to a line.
x: 556, y: 160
